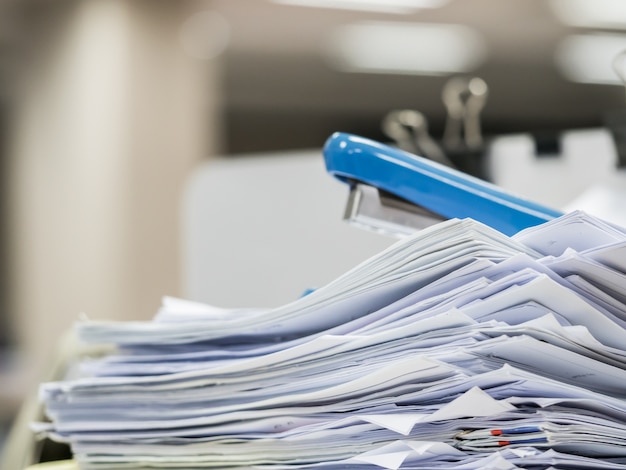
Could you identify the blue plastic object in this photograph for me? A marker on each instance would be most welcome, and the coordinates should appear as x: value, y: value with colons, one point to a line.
x: 445, y: 191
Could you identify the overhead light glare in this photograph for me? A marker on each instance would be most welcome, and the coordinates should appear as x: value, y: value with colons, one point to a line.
x: 588, y: 58
x: 380, y: 6
x: 407, y: 48
x: 609, y: 14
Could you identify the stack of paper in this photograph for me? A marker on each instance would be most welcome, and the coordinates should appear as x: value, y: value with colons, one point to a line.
x: 456, y: 348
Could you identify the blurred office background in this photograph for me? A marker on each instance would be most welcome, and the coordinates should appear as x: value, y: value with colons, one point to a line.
x: 108, y: 106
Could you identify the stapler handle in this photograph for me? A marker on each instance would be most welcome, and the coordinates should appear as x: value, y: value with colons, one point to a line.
x: 442, y: 190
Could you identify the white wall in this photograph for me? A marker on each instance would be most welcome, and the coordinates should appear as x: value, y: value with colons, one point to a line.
x: 260, y: 230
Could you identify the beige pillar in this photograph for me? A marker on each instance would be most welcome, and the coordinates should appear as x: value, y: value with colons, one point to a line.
x: 108, y: 122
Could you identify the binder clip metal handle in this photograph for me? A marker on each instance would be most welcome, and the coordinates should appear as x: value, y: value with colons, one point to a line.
x: 429, y: 191
x: 616, y: 121
x: 409, y: 128
x: 464, y: 99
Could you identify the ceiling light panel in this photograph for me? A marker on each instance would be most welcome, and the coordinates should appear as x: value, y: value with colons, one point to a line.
x: 610, y: 14
x: 588, y: 58
x: 381, y: 6
x: 407, y: 48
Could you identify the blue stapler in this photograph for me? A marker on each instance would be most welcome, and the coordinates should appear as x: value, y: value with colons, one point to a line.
x: 396, y: 192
